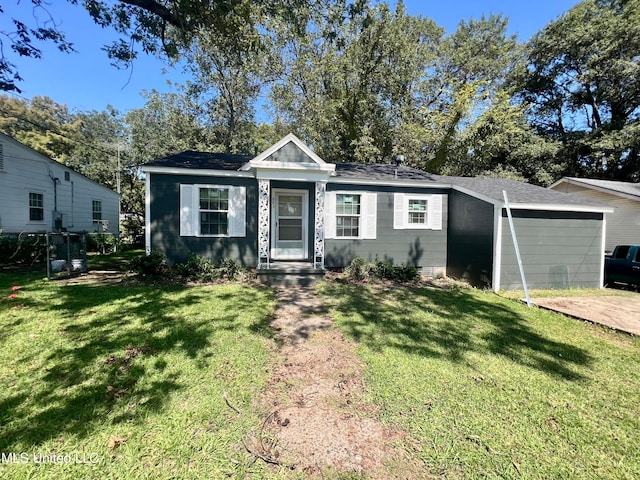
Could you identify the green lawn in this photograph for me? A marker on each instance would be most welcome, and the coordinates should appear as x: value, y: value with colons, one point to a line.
x: 491, y: 389
x: 133, y: 377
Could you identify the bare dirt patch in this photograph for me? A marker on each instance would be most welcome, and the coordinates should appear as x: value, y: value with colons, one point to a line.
x: 618, y: 312
x: 319, y: 422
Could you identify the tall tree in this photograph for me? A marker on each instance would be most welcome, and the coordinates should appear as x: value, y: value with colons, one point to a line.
x: 582, y: 83
x: 157, y: 27
x: 348, y: 84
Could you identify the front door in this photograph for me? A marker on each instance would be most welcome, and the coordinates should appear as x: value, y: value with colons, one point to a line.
x: 289, y: 232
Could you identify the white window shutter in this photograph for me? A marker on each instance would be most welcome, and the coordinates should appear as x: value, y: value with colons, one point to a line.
x: 399, y: 211
x: 369, y: 215
x: 330, y: 215
x: 188, y: 211
x: 237, y: 212
x: 435, y: 212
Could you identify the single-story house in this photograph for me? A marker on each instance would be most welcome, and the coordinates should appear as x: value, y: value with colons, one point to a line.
x: 288, y: 205
x: 38, y: 194
x: 623, y: 225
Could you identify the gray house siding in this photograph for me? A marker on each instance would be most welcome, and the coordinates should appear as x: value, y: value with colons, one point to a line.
x: 470, y: 239
x: 311, y: 189
x: 165, y: 221
x: 558, y: 249
x: 423, y: 248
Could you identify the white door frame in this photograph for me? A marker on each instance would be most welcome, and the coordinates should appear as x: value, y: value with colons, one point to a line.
x: 275, y: 218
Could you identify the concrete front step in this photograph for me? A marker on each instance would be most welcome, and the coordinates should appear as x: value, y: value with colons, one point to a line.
x: 289, y: 274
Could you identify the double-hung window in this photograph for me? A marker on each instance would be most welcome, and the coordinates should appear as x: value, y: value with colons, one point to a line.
x: 348, y: 215
x: 36, y: 207
x: 96, y: 210
x: 416, y: 211
x: 214, y: 211
x: 351, y: 215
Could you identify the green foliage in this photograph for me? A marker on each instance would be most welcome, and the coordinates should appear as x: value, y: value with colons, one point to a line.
x: 152, y: 265
x: 103, y: 243
x: 360, y: 270
x: 201, y: 269
x: 22, y: 249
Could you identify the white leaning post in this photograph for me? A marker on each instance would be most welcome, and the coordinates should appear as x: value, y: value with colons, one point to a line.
x: 515, y: 244
x: 318, y: 250
x: 263, y: 223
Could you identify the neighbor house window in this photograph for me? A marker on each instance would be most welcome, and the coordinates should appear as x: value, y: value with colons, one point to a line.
x: 347, y: 215
x: 36, y: 207
x: 96, y: 209
x: 214, y: 211
x: 417, y: 212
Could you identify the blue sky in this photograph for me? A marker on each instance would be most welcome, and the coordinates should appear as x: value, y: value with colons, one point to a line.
x: 86, y: 80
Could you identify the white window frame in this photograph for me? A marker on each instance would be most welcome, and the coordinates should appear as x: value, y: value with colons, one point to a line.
x: 368, y: 214
x: 401, y: 211
x: 201, y: 210
x: 93, y: 211
x: 190, y: 211
x: 29, y: 207
x: 359, y: 215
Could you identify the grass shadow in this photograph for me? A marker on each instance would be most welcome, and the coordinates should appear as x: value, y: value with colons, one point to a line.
x: 117, y: 353
x: 450, y: 324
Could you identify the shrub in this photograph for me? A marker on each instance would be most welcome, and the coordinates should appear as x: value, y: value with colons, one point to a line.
x: 197, y: 268
x: 201, y: 269
x: 360, y: 270
x: 103, y: 243
x: 153, y: 265
x: 23, y: 249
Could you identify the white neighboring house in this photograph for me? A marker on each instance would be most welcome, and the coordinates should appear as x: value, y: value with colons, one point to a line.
x: 38, y: 194
x: 623, y: 225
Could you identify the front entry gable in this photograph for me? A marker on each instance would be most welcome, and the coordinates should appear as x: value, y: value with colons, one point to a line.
x: 289, y: 159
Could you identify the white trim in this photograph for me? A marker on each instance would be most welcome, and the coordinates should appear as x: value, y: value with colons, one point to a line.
x: 277, y: 146
x: 191, y: 228
x: 560, y: 208
x: 147, y: 214
x: 305, y: 223
x: 603, y: 249
x: 197, y: 172
x: 497, y: 247
x: 293, y: 174
x: 388, y: 183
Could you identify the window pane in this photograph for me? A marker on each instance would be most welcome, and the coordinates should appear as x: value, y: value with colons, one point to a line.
x: 213, y: 223
x: 96, y: 206
x: 347, y: 226
x: 214, y: 199
x: 347, y: 204
x: 290, y: 205
x: 417, y: 213
x: 36, y: 207
x: 290, y: 229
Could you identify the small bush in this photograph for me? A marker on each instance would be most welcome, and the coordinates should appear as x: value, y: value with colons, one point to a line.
x: 197, y: 268
x: 360, y: 270
x: 103, y: 243
x: 201, y: 269
x: 153, y: 265
x: 23, y: 249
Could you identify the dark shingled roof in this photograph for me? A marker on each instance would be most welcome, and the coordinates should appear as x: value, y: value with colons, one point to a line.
x: 517, y: 192
x: 202, y: 161
x: 371, y: 171
x: 490, y: 188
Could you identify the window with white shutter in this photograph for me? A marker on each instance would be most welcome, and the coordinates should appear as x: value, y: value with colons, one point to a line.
x: 212, y: 211
x: 351, y: 215
x: 417, y: 211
